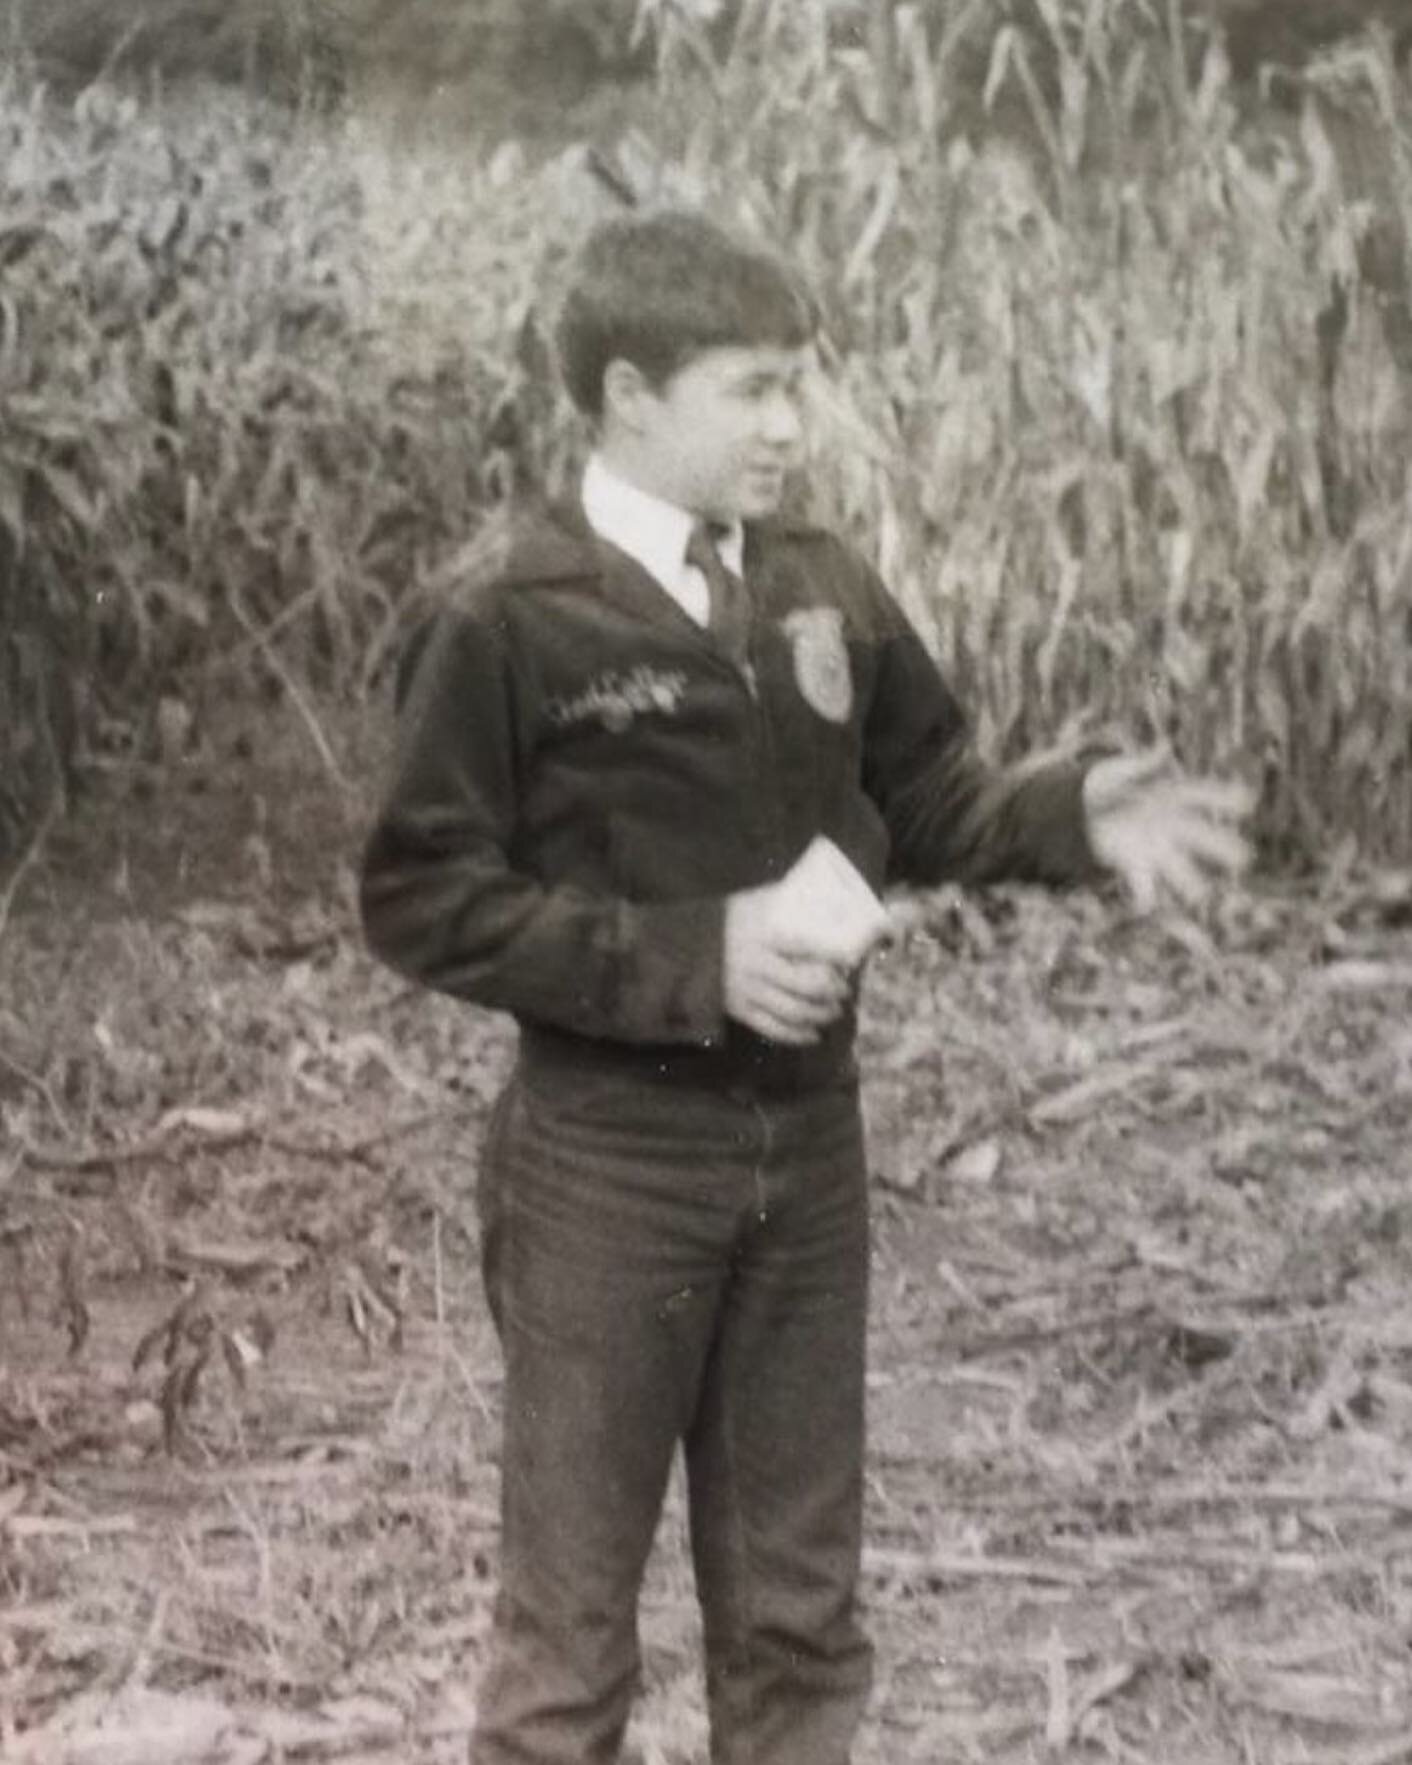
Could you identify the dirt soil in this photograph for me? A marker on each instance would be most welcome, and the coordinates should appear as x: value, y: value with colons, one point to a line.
x: 1141, y: 1390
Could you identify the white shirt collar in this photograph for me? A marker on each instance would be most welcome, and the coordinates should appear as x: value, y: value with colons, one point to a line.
x: 654, y: 532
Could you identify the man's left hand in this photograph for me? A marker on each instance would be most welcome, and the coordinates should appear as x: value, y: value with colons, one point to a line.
x: 1161, y: 832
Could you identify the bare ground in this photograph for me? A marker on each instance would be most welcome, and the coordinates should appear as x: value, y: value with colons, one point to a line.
x: 1141, y: 1398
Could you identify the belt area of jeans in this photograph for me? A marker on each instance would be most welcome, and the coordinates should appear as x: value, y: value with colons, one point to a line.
x: 742, y: 1065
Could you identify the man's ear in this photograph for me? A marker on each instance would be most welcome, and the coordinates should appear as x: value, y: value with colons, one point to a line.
x: 625, y: 388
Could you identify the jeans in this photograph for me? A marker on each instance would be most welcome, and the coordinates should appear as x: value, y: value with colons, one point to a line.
x: 666, y: 1264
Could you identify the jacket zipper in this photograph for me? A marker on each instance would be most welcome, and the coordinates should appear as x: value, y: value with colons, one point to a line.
x: 765, y: 760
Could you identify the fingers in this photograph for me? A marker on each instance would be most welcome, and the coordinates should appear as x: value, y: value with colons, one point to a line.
x: 1140, y: 880
x: 806, y: 994
x: 793, y: 1000
x: 1215, y: 845
x: 775, y: 1029
x: 1111, y: 783
x: 1151, y: 776
x: 784, y: 1017
x: 1178, y: 875
x: 839, y: 945
x: 775, y: 1026
x: 812, y: 978
x: 1181, y: 861
x: 1165, y: 835
x: 1213, y: 798
x: 1201, y: 830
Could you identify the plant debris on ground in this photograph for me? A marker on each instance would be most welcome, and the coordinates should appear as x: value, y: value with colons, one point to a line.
x: 1141, y: 1389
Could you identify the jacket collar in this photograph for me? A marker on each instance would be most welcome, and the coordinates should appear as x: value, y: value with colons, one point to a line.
x: 553, y: 542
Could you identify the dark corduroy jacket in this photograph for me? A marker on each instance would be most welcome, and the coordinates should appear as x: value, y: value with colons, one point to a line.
x: 583, y: 776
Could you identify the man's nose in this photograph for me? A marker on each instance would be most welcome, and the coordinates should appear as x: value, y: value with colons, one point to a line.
x: 781, y: 419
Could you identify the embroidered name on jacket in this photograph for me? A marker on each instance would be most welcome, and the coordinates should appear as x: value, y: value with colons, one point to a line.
x: 616, y: 698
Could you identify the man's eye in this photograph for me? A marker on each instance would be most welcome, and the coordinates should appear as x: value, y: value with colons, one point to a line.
x: 762, y: 389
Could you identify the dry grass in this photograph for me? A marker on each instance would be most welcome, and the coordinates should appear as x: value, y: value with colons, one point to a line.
x: 1092, y: 432
x: 260, y: 372
x: 229, y: 446
x: 313, y: 49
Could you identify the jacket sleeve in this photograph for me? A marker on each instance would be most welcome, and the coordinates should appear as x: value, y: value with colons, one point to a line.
x: 950, y: 816
x: 444, y: 903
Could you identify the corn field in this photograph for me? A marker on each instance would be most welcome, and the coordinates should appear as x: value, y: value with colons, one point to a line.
x: 1116, y: 359
x: 1109, y: 396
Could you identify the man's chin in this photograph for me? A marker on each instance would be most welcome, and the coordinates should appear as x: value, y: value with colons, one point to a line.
x: 761, y: 496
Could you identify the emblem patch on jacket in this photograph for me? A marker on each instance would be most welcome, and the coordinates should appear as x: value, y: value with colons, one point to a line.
x: 821, y: 667
x: 616, y: 698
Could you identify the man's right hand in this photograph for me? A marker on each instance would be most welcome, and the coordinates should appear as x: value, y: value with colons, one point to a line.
x: 777, y: 983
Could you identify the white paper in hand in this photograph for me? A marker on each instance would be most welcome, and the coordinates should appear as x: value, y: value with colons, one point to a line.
x: 828, y: 904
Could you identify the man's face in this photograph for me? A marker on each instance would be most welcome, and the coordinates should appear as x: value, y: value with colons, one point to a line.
x: 720, y: 435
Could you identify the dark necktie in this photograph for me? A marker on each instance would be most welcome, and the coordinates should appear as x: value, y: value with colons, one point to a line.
x: 730, y: 599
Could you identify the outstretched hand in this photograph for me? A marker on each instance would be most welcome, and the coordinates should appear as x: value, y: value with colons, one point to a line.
x: 1161, y: 832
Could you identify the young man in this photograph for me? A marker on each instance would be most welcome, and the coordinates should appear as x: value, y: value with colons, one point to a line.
x: 622, y: 752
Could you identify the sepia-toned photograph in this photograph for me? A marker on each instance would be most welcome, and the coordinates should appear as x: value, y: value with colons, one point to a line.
x: 705, y: 882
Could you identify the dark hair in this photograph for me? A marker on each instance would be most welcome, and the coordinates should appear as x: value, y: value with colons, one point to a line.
x: 658, y: 289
